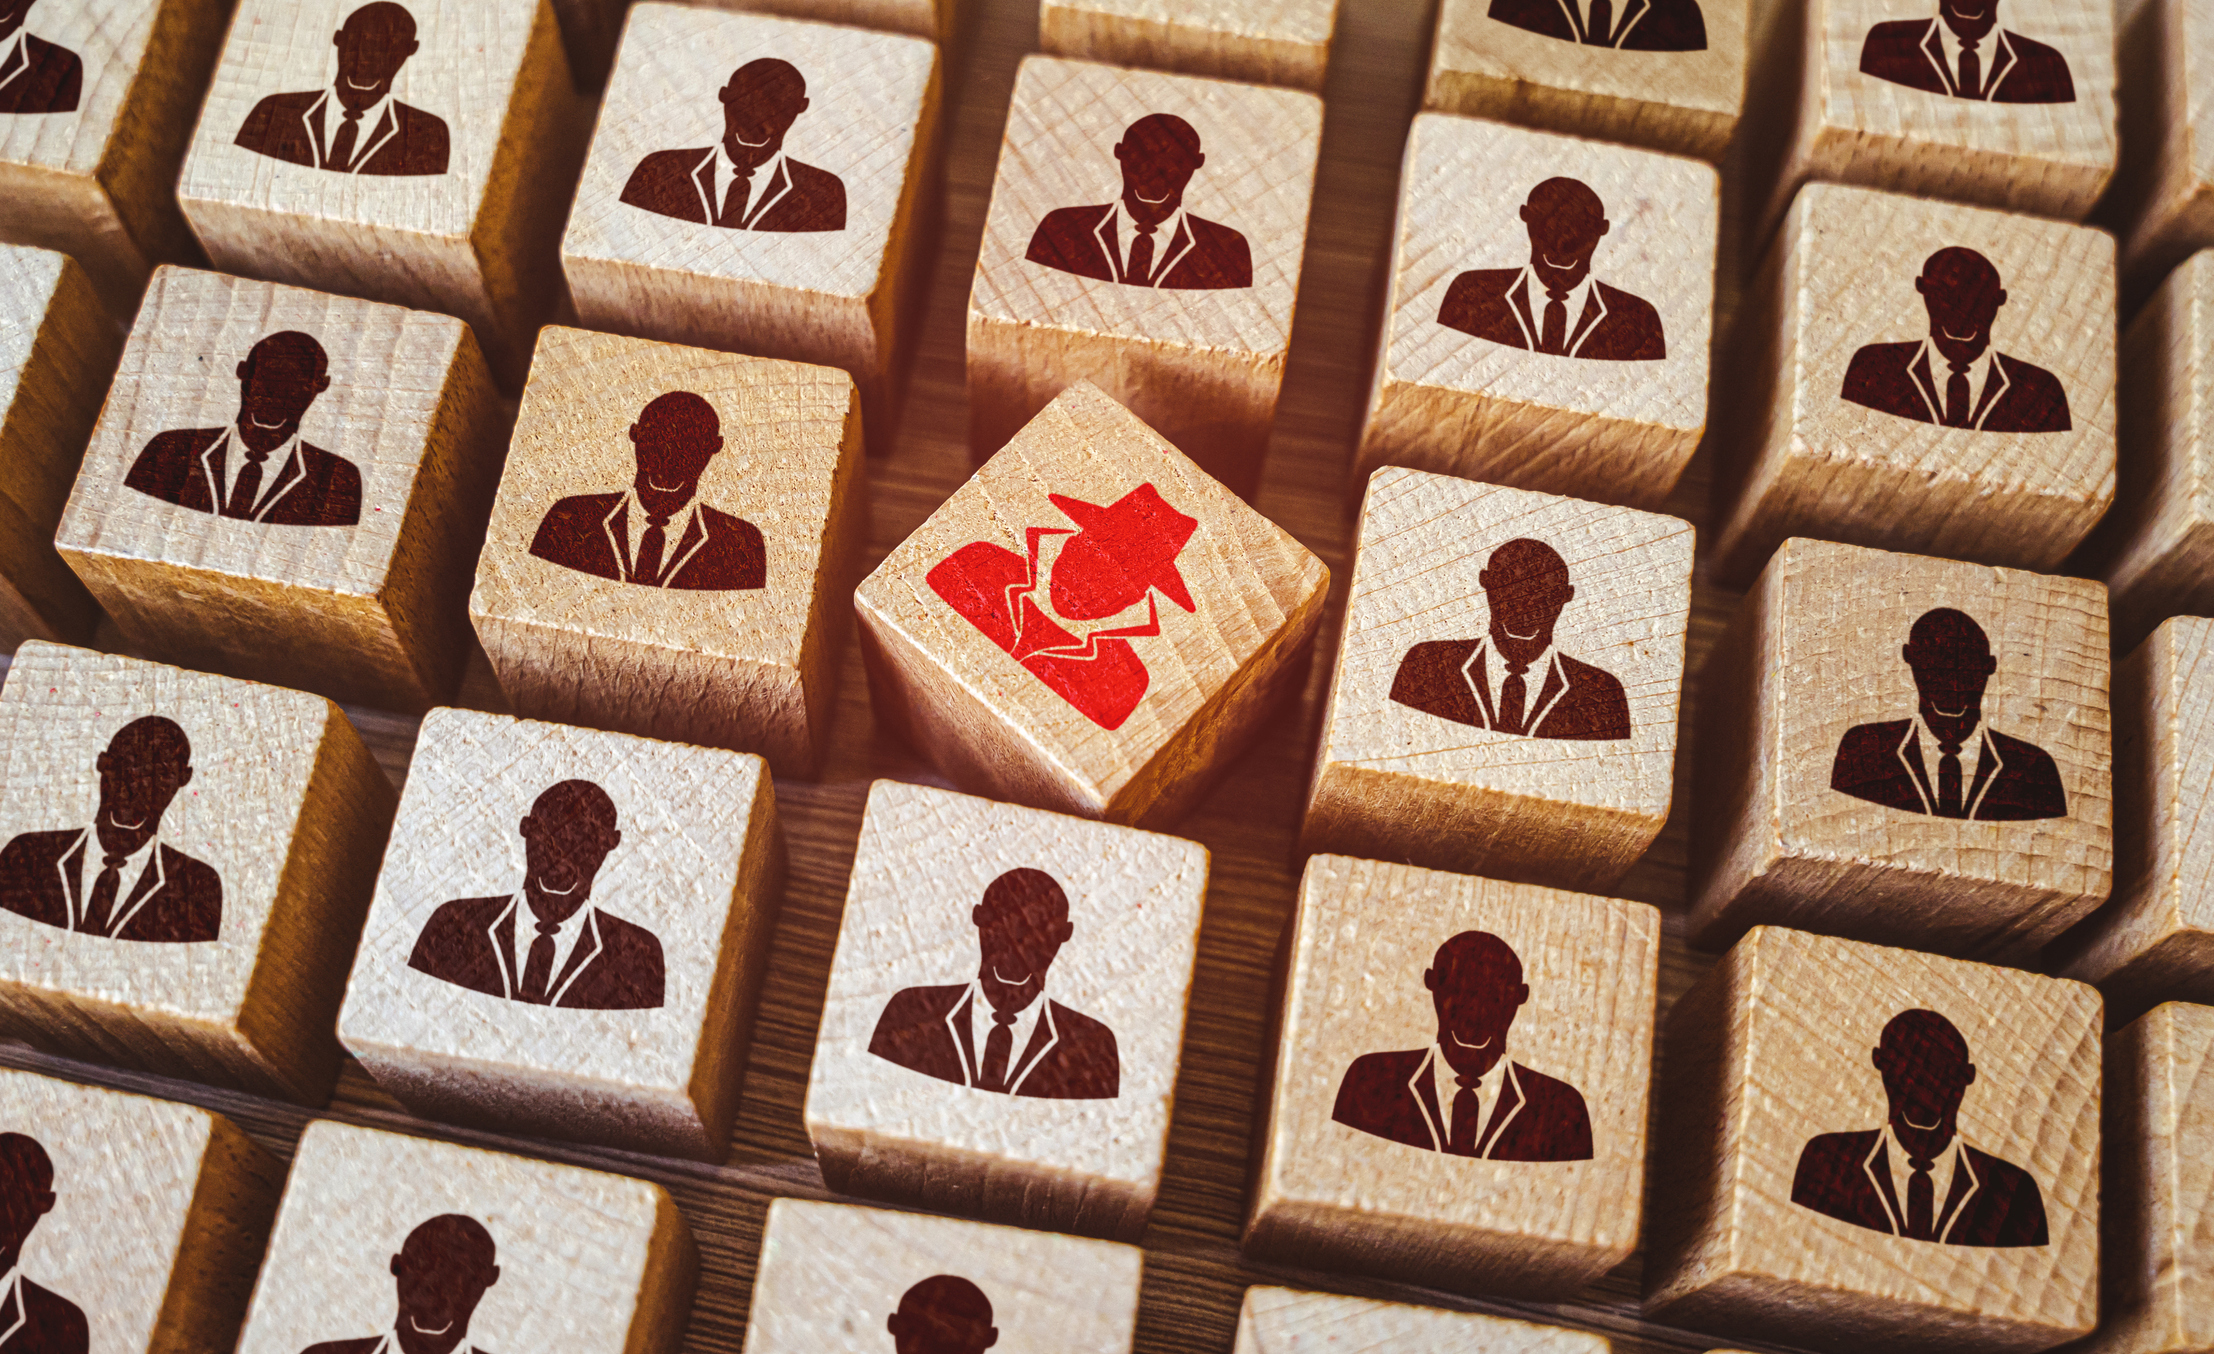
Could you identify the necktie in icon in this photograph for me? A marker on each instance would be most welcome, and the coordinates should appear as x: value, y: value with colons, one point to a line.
x: 1971, y: 71
x: 1553, y: 336
x: 734, y: 205
x: 1139, y: 273
x: 538, y: 968
x: 647, y: 569
x: 1514, y: 696
x: 1948, y: 781
x: 246, y: 488
x: 341, y: 155
x: 1467, y: 1118
x: 1921, y: 1201
x: 1956, y: 397
x: 100, y: 908
x: 1599, y: 26
x: 17, y: 61
x: 999, y: 1046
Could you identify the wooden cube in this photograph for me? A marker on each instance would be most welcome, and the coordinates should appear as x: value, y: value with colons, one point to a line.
x: 1285, y: 43
x: 211, y: 940
x: 1855, y: 424
x: 935, y: 19
x: 1436, y: 750
x: 1430, y: 1021
x: 1090, y: 624
x: 1288, y: 1321
x: 916, y: 1098
x: 723, y: 624
x: 1187, y: 321
x: 286, y: 485
x: 837, y: 1277
x: 819, y: 258
x: 1480, y: 361
x: 1805, y: 1074
x: 450, y: 193
x: 2163, y: 198
x: 1905, y: 750
x: 518, y: 1254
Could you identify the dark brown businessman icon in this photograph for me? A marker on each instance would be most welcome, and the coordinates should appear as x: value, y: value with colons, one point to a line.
x: 745, y: 181
x: 33, y: 1318
x: 1445, y: 1098
x: 1642, y: 26
x: 1488, y: 682
x: 1981, y: 773
x: 1965, y: 54
x: 259, y: 468
x: 972, y: 1032
x: 117, y: 878
x: 35, y: 76
x: 1553, y: 304
x: 633, y: 536
x: 1955, y: 377
x: 581, y: 957
x: 1915, y: 1177
x: 355, y: 126
x: 1146, y: 238
x: 441, y: 1273
x: 944, y: 1314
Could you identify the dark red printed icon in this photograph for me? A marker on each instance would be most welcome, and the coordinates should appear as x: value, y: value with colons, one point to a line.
x: 355, y: 126
x: 549, y: 943
x: 1115, y: 560
x: 1915, y: 1177
x: 1513, y: 680
x: 35, y: 75
x: 1981, y: 773
x: 1146, y: 238
x: 441, y: 1274
x: 944, y: 1314
x: 117, y: 878
x: 745, y: 181
x: 1642, y: 25
x: 33, y: 1318
x: 259, y: 468
x: 1965, y: 54
x: 657, y: 532
x: 1955, y: 377
x: 1553, y: 304
x: 1447, y: 1098
x: 999, y: 1032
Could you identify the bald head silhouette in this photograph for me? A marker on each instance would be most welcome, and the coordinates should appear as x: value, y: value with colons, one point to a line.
x: 761, y: 101
x: 1970, y: 20
x: 567, y: 835
x: 1159, y: 153
x: 1475, y: 981
x: 26, y: 1193
x: 675, y: 437
x: 1926, y: 1071
x: 12, y: 14
x: 1021, y: 925
x: 443, y: 1270
x: 1962, y: 292
x: 1526, y: 585
x: 1565, y: 220
x: 1952, y: 663
x: 146, y: 763
x: 944, y: 1314
x: 374, y: 42
x: 277, y: 382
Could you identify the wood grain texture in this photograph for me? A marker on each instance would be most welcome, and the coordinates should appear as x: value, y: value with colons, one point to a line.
x: 939, y: 20
x: 1287, y: 1321
x: 2162, y: 204
x: 1274, y: 42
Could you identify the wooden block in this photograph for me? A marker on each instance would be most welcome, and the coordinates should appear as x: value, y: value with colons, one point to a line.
x: 1827, y: 803
x: 338, y: 562
x: 2163, y: 198
x: 412, y: 1243
x: 95, y: 110
x: 238, y: 897
x: 1400, y: 984
x: 1089, y: 624
x: 1465, y: 385
x: 1843, y: 429
x: 821, y: 259
x: 1802, y: 1072
x: 452, y: 201
x: 1435, y: 751
x: 734, y: 639
x: 659, y: 868
x: 1066, y: 1126
x: 1285, y: 43
x: 1198, y: 350
x: 1287, y: 1321
x: 832, y: 1276
x: 935, y: 19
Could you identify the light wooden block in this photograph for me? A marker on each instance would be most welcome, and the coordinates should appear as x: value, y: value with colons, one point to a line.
x: 1098, y: 926
x: 236, y: 908
x: 93, y: 124
x: 1823, y: 763
x: 1090, y: 624
x: 734, y: 640
x: 347, y: 571
x: 634, y: 1033
x: 1198, y: 350
x: 837, y: 1277
x: 822, y: 261
x: 934, y: 19
x: 452, y: 202
x: 1468, y: 381
x: 1283, y: 42
x: 1288, y: 1321
x: 2163, y: 197
x: 1798, y: 1069
x: 1368, y: 1159
x: 1423, y: 759
x: 381, y: 1233
x: 1841, y: 430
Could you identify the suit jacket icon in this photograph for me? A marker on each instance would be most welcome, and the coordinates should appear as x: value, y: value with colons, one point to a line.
x: 1883, y: 763
x: 1203, y: 255
x: 680, y: 184
x: 615, y: 965
x: 1910, y: 52
x: 2017, y: 397
x: 192, y: 468
x: 1614, y: 326
x: 36, y: 1320
x: 1645, y: 25
x: 590, y: 533
x: 1394, y: 1096
x: 990, y: 586
x: 1447, y: 678
x: 1069, y: 1056
x: 1990, y: 1202
x: 290, y: 127
x: 175, y: 898
x: 373, y: 1344
x: 49, y: 79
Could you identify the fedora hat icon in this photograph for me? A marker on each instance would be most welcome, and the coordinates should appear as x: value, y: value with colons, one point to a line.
x: 1119, y: 553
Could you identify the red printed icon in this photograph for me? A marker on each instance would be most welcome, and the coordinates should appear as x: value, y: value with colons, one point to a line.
x: 1114, y: 560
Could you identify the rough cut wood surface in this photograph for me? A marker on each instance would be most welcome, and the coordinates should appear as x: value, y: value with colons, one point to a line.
x: 1268, y: 42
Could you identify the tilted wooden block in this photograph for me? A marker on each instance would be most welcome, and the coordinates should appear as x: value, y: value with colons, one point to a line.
x: 934, y: 19
x: 1145, y: 234
x: 1431, y: 1022
x: 1806, y: 1077
x: 1484, y: 372
x: 1090, y: 623
x: 723, y: 623
x: 759, y: 185
x: 1864, y: 418
x: 2163, y: 196
x: 187, y: 861
x: 1006, y: 1011
x: 1906, y: 750
x: 1283, y: 43
x: 446, y: 192
x: 837, y: 1277
x: 1437, y: 750
x: 1288, y: 1321
x: 388, y: 1243
x: 285, y: 485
